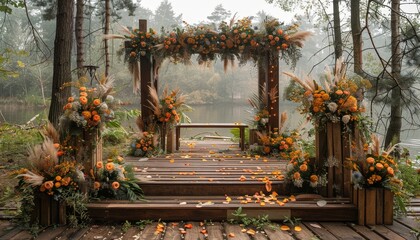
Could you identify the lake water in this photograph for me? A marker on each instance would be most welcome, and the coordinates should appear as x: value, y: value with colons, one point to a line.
x: 211, y: 113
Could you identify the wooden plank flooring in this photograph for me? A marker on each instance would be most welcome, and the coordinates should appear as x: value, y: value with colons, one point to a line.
x: 221, y: 231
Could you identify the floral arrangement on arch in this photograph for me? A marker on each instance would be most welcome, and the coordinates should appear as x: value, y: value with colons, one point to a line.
x: 114, y: 179
x: 374, y: 168
x: 337, y: 99
x: 144, y: 144
x: 90, y: 108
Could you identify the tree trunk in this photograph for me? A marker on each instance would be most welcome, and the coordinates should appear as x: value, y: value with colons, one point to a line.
x: 79, y: 38
x: 62, y: 59
x: 357, y: 36
x: 395, y: 123
x: 338, y: 44
x: 107, y: 23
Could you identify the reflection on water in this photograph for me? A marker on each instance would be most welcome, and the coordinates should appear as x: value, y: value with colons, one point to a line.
x: 20, y: 114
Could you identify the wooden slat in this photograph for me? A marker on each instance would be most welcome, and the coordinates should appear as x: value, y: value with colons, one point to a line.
x: 388, y: 207
x: 319, y: 230
x: 410, y: 222
x: 361, y: 208
x: 338, y: 154
x: 278, y: 234
x: 386, y: 233
x: 260, y: 235
x: 5, y: 226
x: 172, y: 231
x: 379, y: 206
x: 346, y: 146
x: 78, y: 234
x: 11, y: 233
x: 370, y: 214
x: 366, y: 232
x: 23, y: 235
x: 215, y: 231
x: 236, y: 230
x: 402, y: 230
x: 71, y: 233
x: 340, y: 229
x: 306, y: 233
x: 149, y: 233
x: 194, y: 233
x: 51, y: 233
x: 330, y: 146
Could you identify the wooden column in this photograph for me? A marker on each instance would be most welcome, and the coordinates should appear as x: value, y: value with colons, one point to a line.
x: 333, y: 147
x: 146, y: 73
x: 268, y: 80
x: 273, y: 87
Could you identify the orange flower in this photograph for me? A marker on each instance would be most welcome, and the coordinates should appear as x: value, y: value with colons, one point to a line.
x: 56, y: 145
x: 379, y: 166
x: 316, y: 109
x: 96, y: 118
x: 83, y: 100
x: 325, y: 96
x: 115, y: 185
x: 289, y: 140
x: 42, y: 188
x: 296, y: 175
x: 303, y: 167
x: 109, y: 166
x: 167, y: 115
x: 284, y: 46
x: 279, y: 31
x: 313, y: 178
x: 339, y: 92
x: 82, y: 89
x: 57, y: 184
x: 96, y: 102
x: 96, y: 185
x: 370, y: 160
x: 390, y: 171
x: 87, y: 114
x: 138, y: 145
x: 58, y: 178
x: 99, y: 165
x: 83, y: 94
x: 67, y: 106
x: 65, y: 181
x: 48, y: 185
x: 70, y: 99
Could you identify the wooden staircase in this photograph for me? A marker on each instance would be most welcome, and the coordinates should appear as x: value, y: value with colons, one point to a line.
x: 211, y: 181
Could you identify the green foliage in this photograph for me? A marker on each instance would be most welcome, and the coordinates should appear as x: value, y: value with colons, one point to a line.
x: 6, y: 6
x: 143, y: 223
x: 126, y: 226
x: 235, y: 132
x: 258, y: 223
x: 292, y: 220
x: 14, y: 141
x: 115, y: 133
x: 77, y: 213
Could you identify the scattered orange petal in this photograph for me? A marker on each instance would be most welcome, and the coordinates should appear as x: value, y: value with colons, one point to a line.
x: 251, y: 231
x: 204, y: 231
x: 182, y: 231
x: 298, y: 228
x: 292, y: 198
x: 285, y: 200
x: 262, y: 203
x: 172, y: 160
x: 268, y: 186
x: 242, y: 178
x: 188, y: 226
x: 285, y: 228
x: 232, y: 235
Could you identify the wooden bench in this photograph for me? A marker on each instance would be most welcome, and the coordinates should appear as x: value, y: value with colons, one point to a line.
x: 241, y: 127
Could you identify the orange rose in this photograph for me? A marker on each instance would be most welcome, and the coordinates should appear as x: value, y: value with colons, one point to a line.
x: 279, y: 31
x: 115, y: 185
x: 65, y: 181
x: 48, y: 185
x: 296, y: 175
x: 379, y: 166
x: 138, y: 145
x: 313, y: 178
x: 303, y: 167
x: 109, y: 166
x: 58, y: 178
x: 99, y: 165
x: 87, y: 114
x: 371, y: 168
x: 96, y: 185
x: 315, y: 109
x: 289, y: 140
x: 83, y: 100
x: 57, y: 184
x: 82, y: 89
x: 284, y: 46
x: 390, y: 171
x: 96, y: 118
x: 83, y: 94
x: 56, y: 145
x: 96, y: 102
x: 370, y: 160
x: 67, y: 106
x: 70, y: 99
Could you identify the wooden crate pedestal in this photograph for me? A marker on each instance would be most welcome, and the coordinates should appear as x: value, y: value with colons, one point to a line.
x: 374, y: 206
x: 49, y: 211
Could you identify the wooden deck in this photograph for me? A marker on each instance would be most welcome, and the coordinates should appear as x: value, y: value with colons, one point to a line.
x: 195, y: 183
x: 401, y: 229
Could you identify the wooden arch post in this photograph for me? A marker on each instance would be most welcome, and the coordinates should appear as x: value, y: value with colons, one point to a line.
x: 268, y: 76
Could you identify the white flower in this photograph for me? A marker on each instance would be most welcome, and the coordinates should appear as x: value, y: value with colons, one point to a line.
x: 345, y: 119
x: 289, y: 167
x: 298, y: 182
x: 103, y: 107
x: 109, y: 99
x: 332, y: 106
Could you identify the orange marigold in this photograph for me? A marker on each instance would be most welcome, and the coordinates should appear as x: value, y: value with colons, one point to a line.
x: 115, y: 185
x: 96, y: 118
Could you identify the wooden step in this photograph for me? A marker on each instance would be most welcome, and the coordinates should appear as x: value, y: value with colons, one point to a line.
x: 170, y: 208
